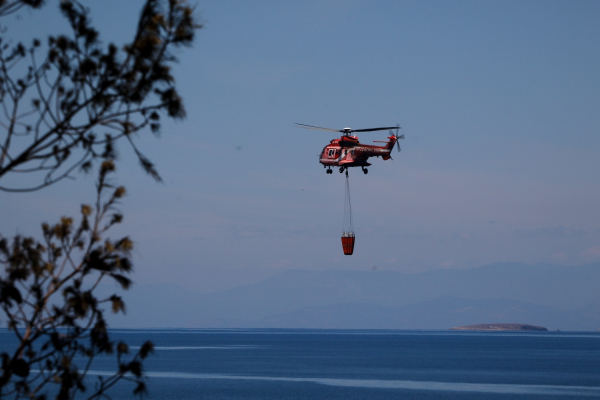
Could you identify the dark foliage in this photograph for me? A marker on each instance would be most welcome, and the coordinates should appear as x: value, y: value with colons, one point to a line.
x: 67, y: 100
x: 49, y: 303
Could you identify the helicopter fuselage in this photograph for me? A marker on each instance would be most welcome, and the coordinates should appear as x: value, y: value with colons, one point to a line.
x: 347, y: 152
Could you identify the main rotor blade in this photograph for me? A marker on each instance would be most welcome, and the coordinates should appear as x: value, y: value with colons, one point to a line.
x: 316, y: 127
x: 373, y: 129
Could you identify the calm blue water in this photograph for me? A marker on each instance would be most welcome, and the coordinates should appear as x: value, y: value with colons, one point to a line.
x: 315, y: 364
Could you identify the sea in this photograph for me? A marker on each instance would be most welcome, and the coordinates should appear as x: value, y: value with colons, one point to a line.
x: 235, y: 364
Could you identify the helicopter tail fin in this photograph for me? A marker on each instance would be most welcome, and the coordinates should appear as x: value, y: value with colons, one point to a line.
x: 390, y: 144
x: 394, y: 139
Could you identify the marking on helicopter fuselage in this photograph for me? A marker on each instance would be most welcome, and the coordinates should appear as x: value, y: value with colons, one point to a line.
x: 344, y: 153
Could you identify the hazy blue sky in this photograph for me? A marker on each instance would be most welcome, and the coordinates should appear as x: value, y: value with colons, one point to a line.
x: 499, y: 102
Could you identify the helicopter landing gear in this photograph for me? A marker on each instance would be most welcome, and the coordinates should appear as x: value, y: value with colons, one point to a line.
x: 341, y: 169
x: 329, y: 171
x: 365, y: 171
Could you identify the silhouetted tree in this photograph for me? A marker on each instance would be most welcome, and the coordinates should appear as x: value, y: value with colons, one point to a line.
x: 55, y: 97
x: 56, y: 100
x: 47, y: 296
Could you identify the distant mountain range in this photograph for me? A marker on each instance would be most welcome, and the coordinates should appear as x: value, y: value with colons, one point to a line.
x: 552, y: 296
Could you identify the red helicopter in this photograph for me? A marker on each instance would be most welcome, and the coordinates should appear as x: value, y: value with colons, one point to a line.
x: 347, y: 151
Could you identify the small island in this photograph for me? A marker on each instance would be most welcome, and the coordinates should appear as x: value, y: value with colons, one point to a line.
x: 500, y: 327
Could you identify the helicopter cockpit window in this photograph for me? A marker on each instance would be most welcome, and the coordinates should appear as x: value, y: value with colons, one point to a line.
x: 331, y: 152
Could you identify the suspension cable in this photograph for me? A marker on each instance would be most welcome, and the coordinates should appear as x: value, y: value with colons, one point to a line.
x: 347, y: 227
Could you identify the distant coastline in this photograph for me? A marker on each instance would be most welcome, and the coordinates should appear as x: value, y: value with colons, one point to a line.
x: 500, y: 327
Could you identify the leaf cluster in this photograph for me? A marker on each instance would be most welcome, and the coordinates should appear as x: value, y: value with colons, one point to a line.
x: 68, y: 99
x: 48, y: 300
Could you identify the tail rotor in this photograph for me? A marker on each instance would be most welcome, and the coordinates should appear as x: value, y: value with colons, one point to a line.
x: 397, y: 136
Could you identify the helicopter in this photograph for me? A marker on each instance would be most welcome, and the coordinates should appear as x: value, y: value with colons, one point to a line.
x: 347, y: 151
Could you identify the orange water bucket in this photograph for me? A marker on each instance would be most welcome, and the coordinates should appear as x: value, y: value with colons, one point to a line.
x: 348, y: 244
